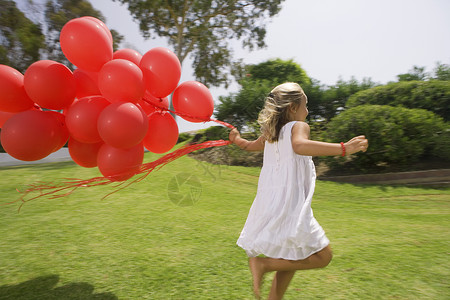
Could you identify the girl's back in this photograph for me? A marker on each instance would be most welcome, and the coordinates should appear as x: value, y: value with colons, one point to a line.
x: 283, y: 167
x: 280, y: 223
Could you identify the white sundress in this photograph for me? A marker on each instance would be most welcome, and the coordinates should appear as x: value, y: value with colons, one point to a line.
x: 280, y: 223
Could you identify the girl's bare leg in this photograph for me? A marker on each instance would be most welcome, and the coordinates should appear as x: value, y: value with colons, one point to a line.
x: 257, y: 274
x: 318, y: 260
x: 280, y: 284
x: 261, y: 265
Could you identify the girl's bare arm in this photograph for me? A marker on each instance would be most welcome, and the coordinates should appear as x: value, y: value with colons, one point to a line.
x: 256, y: 145
x: 302, y: 145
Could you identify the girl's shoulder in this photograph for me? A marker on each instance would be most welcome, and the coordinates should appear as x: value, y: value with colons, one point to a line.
x: 300, y: 127
x: 300, y: 130
x: 295, y: 124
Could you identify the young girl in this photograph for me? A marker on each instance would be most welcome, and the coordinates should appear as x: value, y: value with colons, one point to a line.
x: 280, y: 225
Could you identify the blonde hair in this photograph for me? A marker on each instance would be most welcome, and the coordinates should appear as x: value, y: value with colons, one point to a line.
x: 275, y: 113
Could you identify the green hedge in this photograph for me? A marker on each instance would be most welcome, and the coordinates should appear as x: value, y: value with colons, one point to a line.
x: 397, y: 137
x: 431, y: 95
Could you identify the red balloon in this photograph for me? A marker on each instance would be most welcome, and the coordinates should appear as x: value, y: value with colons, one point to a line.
x: 4, y: 116
x: 120, y: 164
x: 121, y: 80
x: 128, y: 54
x: 63, y: 131
x: 82, y: 117
x: 30, y: 135
x: 85, y: 44
x: 162, y: 134
x: 162, y: 71
x: 195, y: 100
x: 150, y: 103
x: 13, y: 97
x: 86, y: 82
x: 50, y: 84
x: 84, y: 154
x: 122, y: 125
x: 102, y: 26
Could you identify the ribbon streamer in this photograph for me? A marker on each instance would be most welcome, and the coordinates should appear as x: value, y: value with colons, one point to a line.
x: 67, y: 187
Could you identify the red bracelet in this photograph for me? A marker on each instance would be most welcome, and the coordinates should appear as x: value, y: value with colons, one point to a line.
x: 343, y: 149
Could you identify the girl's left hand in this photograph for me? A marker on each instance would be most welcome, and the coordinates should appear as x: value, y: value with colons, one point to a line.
x: 356, y: 144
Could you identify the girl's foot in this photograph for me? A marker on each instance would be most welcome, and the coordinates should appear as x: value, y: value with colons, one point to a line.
x: 257, y: 273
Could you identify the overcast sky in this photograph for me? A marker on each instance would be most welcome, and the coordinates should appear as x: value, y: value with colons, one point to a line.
x: 332, y: 39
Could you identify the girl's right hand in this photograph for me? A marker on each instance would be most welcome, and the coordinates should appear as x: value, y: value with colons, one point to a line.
x: 356, y: 144
x: 234, y: 134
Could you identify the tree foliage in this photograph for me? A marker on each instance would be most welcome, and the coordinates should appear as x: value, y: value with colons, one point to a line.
x: 277, y: 71
x: 440, y: 72
x: 24, y: 41
x: 398, y: 136
x: 58, y: 13
x: 20, y: 39
x: 256, y: 81
x: 417, y: 73
x: 203, y: 29
x: 433, y: 95
x: 326, y: 101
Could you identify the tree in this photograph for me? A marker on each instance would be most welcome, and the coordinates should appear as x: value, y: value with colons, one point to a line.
x: 20, y: 39
x: 328, y: 101
x: 242, y: 108
x: 58, y: 13
x: 417, y: 73
x: 442, y: 72
x: 278, y: 71
x: 324, y: 102
x: 203, y: 29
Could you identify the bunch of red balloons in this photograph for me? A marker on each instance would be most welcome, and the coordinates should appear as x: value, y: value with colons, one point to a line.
x: 108, y: 109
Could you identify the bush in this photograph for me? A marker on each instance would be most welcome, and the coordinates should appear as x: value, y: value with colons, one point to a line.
x: 441, y: 147
x: 431, y: 95
x: 217, y: 133
x: 229, y: 155
x: 397, y: 137
x: 210, y: 134
x: 184, y: 136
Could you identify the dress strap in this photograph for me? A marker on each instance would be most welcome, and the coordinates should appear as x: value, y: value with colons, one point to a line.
x: 287, y: 130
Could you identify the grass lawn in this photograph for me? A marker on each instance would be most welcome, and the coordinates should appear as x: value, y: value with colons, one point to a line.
x: 388, y: 242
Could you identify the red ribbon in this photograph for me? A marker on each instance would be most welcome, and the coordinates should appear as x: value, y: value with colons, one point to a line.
x: 67, y: 187
x: 162, y: 108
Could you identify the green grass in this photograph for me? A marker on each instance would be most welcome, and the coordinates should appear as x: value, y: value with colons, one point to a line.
x: 388, y: 242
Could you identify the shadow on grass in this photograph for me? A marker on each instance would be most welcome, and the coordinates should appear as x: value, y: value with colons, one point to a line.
x: 384, y: 187
x: 41, y: 288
